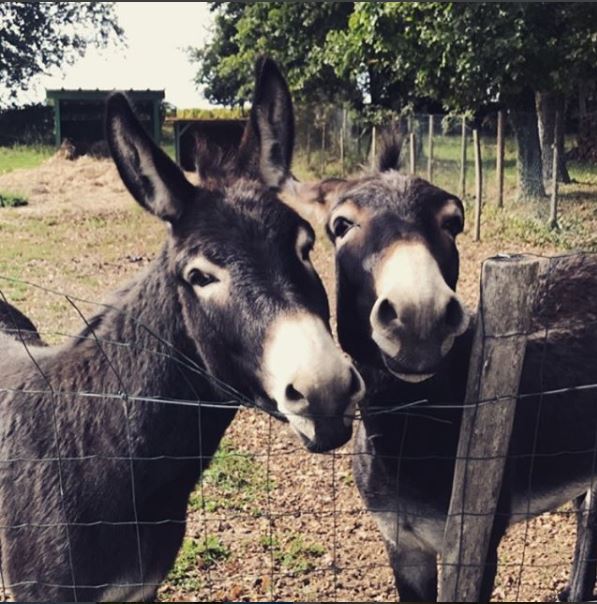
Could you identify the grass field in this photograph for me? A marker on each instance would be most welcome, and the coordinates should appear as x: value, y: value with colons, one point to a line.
x: 21, y: 156
x: 270, y: 522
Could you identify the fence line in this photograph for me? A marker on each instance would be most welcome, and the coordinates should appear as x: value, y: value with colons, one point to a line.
x: 334, y: 510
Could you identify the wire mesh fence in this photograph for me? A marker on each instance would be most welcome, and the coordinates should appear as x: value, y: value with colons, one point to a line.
x: 336, y: 141
x: 269, y: 521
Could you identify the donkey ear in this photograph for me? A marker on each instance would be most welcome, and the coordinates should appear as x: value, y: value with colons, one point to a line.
x: 152, y: 178
x: 391, y: 148
x: 313, y: 200
x: 268, y: 142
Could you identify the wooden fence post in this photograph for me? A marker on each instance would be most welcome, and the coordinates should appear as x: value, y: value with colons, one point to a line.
x: 308, y: 143
x: 413, y: 152
x: 373, y: 147
x: 463, y: 160
x: 494, y: 377
x: 322, y: 157
x: 500, y: 160
x: 430, y: 151
x: 343, y: 143
x: 553, y: 211
x: 478, y: 182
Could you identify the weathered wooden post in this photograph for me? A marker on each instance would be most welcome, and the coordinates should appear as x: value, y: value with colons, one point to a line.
x: 463, y: 160
x: 308, y: 143
x: 413, y: 152
x: 373, y: 147
x: 553, y: 210
x: 343, y: 143
x: 430, y: 151
x: 322, y: 157
x: 500, y: 159
x: 479, y: 183
x: 494, y: 376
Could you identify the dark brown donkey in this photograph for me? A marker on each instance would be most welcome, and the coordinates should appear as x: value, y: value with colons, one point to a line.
x: 400, y: 318
x: 101, y: 439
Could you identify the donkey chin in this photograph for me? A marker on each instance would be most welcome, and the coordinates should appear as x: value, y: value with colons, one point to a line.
x: 412, y: 362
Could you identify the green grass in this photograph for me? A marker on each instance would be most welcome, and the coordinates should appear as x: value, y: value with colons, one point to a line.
x: 528, y: 224
x: 295, y: 555
x: 195, y: 556
x: 10, y: 200
x: 234, y: 481
x: 23, y: 156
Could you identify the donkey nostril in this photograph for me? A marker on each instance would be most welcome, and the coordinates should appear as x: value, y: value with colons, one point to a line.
x: 454, y: 314
x: 355, y: 382
x: 386, y: 313
x: 292, y: 394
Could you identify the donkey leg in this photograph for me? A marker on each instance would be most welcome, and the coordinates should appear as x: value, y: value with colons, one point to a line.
x: 584, y: 565
x: 415, y: 572
x: 500, y: 524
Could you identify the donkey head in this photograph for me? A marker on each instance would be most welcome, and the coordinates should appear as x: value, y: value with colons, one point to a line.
x: 252, y: 302
x: 397, y: 265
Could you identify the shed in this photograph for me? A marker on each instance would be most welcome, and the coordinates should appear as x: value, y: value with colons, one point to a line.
x: 79, y: 114
x: 224, y: 133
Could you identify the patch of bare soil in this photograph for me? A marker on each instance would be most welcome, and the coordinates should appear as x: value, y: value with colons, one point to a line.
x: 304, y: 535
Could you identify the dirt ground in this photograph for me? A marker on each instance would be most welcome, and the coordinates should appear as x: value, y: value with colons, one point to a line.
x: 301, y: 534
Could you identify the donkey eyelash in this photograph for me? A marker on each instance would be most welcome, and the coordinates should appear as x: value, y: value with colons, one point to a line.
x: 198, y: 278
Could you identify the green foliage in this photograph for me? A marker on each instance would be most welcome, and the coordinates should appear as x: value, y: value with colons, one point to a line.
x: 218, y: 113
x: 292, y: 32
x: 233, y: 481
x: 9, y: 200
x: 393, y: 53
x: 35, y: 36
x: 465, y: 54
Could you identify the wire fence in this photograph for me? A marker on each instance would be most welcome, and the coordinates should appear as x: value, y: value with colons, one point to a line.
x: 268, y: 521
x: 336, y: 141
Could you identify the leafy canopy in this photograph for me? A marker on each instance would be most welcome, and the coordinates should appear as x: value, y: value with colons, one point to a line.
x: 391, y: 53
x: 35, y: 36
x: 294, y: 33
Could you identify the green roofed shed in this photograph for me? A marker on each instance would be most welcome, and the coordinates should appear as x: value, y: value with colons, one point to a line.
x: 79, y: 114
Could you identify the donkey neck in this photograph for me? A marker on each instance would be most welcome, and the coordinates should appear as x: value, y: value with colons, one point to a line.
x: 137, y: 348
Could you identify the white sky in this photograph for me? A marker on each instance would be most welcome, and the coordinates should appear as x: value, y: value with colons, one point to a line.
x: 157, y: 34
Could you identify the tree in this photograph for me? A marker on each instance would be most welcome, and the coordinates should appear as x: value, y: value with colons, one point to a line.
x: 468, y: 55
x: 294, y: 33
x: 35, y: 36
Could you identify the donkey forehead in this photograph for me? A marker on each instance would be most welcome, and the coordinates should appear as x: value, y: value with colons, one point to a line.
x: 406, y: 196
x: 236, y: 218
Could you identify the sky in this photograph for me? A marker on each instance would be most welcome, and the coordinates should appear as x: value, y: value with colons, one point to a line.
x: 157, y: 34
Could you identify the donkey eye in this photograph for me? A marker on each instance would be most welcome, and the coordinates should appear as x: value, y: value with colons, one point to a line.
x: 453, y: 225
x: 341, y: 226
x: 198, y: 278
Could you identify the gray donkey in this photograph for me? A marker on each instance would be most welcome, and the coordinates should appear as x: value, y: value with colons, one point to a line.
x: 399, y: 316
x: 101, y: 439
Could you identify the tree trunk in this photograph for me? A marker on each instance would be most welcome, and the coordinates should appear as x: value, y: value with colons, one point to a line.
x: 523, y: 116
x: 551, y: 107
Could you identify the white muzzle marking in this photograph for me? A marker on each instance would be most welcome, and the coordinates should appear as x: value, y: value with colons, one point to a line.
x: 410, y: 279
x: 300, y: 353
